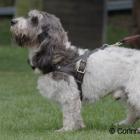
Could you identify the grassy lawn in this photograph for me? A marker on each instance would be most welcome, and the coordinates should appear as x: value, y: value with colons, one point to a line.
x: 26, y: 115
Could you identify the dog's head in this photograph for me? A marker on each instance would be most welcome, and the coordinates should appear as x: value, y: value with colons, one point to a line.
x: 37, y: 27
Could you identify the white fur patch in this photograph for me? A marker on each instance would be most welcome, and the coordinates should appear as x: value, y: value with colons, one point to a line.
x: 32, y: 51
x: 37, y: 71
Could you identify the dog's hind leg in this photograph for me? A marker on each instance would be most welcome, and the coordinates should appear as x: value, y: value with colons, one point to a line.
x: 133, y: 96
x: 132, y: 117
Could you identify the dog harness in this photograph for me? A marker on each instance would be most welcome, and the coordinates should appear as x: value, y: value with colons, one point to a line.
x: 80, y: 71
x: 72, y: 69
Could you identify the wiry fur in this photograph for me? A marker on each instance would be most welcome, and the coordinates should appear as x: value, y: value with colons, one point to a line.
x: 112, y: 70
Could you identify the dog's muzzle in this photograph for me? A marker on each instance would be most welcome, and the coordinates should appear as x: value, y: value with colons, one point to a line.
x: 13, y: 22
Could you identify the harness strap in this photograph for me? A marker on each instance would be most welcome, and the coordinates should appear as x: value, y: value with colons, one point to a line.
x: 82, y: 68
x: 80, y: 75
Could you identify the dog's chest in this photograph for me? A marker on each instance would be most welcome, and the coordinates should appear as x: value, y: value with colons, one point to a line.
x: 31, y: 53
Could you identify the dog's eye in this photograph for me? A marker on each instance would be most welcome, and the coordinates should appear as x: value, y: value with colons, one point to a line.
x: 34, y: 20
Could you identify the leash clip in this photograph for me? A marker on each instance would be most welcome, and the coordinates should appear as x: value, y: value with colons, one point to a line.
x: 118, y: 44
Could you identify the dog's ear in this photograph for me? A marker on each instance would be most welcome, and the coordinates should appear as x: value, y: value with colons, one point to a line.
x: 43, y: 58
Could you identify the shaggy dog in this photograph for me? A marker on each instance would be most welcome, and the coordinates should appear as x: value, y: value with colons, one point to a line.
x: 111, y: 70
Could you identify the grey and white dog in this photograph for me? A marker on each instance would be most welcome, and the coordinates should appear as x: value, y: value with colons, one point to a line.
x: 112, y: 70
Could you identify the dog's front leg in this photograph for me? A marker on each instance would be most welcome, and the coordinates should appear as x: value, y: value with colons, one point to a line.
x: 63, y: 89
x: 72, y: 119
x: 72, y: 115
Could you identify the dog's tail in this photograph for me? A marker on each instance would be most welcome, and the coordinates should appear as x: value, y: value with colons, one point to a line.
x: 132, y: 41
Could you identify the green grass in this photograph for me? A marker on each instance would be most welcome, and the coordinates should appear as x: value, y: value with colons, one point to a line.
x: 26, y: 115
x: 5, y: 37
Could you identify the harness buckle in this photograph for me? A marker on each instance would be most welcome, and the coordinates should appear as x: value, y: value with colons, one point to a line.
x: 81, y: 67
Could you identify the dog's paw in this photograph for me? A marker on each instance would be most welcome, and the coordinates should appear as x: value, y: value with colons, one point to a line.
x: 123, y: 122
x: 138, y: 130
x: 61, y: 130
x: 116, y: 124
x: 82, y: 126
x: 65, y: 129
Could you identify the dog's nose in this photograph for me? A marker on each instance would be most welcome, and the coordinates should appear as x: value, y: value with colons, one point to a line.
x: 13, y: 22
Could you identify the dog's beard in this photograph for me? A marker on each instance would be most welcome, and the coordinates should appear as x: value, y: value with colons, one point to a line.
x: 22, y: 40
x: 21, y: 37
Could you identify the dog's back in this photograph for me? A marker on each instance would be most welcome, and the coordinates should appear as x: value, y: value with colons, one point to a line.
x: 109, y: 70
